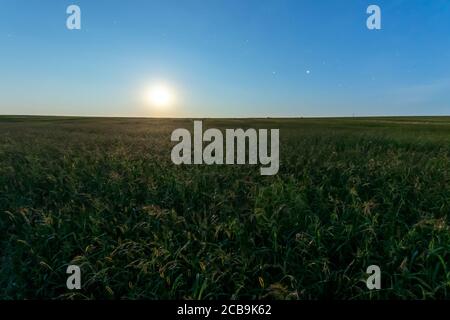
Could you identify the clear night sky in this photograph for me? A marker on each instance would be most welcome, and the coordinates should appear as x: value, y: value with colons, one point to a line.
x: 227, y: 58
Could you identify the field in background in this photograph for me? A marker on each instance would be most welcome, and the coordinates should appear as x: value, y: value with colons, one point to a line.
x: 103, y: 194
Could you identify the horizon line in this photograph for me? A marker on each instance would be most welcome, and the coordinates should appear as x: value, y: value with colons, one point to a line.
x: 243, y: 117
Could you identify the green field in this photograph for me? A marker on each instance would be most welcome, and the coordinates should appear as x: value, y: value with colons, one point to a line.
x: 102, y: 193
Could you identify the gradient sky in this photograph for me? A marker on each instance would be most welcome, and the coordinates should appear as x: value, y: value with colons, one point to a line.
x: 226, y: 58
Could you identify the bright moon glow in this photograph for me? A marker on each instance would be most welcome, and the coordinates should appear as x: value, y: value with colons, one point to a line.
x: 161, y: 96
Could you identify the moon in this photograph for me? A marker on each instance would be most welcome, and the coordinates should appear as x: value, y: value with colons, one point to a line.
x: 160, y: 96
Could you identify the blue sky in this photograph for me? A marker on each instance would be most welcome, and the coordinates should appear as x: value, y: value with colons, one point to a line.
x: 226, y: 58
